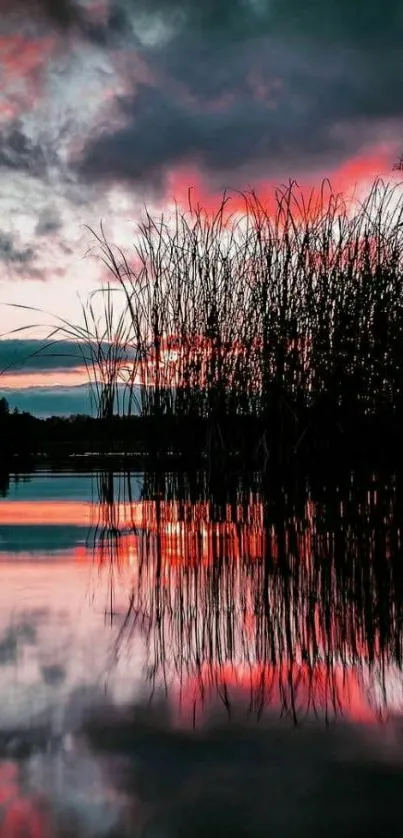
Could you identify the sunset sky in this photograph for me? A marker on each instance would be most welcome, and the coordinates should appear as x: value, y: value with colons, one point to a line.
x: 107, y: 105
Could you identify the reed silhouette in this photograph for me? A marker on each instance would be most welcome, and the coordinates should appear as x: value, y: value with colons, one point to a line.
x: 267, y: 332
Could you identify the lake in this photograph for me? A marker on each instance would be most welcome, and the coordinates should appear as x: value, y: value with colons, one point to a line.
x: 183, y: 654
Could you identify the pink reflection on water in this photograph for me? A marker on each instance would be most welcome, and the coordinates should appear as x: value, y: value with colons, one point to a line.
x: 21, y: 815
x: 160, y: 556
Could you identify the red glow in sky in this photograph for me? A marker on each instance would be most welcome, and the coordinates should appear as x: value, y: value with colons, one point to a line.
x: 357, y: 172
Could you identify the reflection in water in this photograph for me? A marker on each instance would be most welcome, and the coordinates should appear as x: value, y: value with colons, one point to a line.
x: 264, y: 605
x: 294, y: 599
x: 250, y: 781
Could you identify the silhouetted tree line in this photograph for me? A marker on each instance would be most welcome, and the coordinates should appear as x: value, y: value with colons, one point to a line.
x: 238, y: 440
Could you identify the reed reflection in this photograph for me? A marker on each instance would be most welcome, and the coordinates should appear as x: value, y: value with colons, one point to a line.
x: 289, y: 597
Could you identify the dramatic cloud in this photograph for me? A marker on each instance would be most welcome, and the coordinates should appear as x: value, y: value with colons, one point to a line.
x: 20, y: 259
x: 241, y: 91
x: 49, y: 222
x: 62, y: 14
x: 19, y: 153
x: 364, y: 22
x: 42, y: 356
x: 246, y: 90
x: 91, y: 19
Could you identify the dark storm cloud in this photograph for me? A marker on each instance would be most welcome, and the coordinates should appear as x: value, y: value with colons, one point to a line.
x: 70, y: 17
x: 241, y: 89
x: 18, y: 153
x: 249, y: 135
x: 247, y: 89
x: 12, y: 254
x: 358, y: 23
x: 26, y: 356
x: 30, y: 356
x: 61, y: 13
x: 49, y: 222
x: 361, y: 24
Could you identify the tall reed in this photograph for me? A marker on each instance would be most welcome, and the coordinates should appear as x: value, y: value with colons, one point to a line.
x: 228, y: 308
x: 288, y: 312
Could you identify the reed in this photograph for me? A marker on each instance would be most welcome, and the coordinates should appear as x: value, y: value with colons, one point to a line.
x: 288, y: 313
x: 277, y: 322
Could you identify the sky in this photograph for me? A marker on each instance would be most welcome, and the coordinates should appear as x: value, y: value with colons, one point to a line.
x: 110, y: 105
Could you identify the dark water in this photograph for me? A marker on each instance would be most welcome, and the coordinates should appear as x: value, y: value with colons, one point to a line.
x: 183, y: 657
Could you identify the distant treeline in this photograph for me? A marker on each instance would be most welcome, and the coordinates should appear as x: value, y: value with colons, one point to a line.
x: 192, y: 442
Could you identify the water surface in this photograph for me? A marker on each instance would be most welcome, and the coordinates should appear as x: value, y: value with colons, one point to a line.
x: 155, y: 627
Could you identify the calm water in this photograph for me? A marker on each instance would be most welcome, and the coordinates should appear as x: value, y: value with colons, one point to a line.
x: 180, y: 658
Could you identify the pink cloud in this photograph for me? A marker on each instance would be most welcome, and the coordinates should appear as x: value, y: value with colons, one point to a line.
x: 22, y: 63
